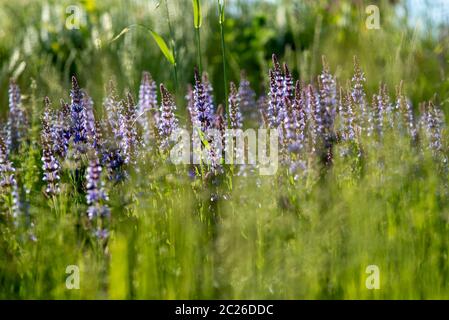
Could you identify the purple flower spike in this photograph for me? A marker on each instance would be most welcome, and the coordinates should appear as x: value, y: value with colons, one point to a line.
x: 98, y: 212
x: 128, y: 132
x: 208, y: 91
x: 288, y: 83
x: 91, y: 127
x: 276, y: 110
x: 299, y: 112
x: 62, y: 130
x: 407, y: 113
x: 202, y: 107
x: 191, y: 107
x: 112, y: 107
x: 328, y: 100
x: 246, y: 94
x: 359, y: 98
x: 78, y: 113
x: 317, y: 116
x: 8, y: 182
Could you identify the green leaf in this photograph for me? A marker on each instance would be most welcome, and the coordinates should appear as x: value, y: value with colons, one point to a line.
x: 157, y: 38
x: 197, y: 19
x: 164, y: 48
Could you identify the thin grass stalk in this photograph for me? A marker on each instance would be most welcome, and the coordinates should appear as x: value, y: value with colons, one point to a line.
x: 221, y: 13
x: 173, y: 45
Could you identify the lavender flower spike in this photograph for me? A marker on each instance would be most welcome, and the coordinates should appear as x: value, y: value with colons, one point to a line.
x: 98, y: 212
x: 112, y: 107
x: 201, y: 103
x: 62, y: 130
x: 299, y: 112
x: 328, y: 100
x: 407, y: 113
x: 78, y: 112
x: 234, y: 108
x: 314, y: 108
x: 359, y: 97
x: 220, y: 123
x: 147, y: 109
x: 288, y: 83
x: 203, y: 109
x: 128, y: 131
x: 276, y: 104
x: 434, y: 128
x: 191, y: 107
x: 17, y: 122
x: 147, y: 94
x: 349, y: 118
x: 91, y: 128
x: 247, y: 96
x: 208, y: 91
x: 272, y: 108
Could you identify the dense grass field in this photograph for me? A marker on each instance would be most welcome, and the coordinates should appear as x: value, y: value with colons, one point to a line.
x: 93, y: 207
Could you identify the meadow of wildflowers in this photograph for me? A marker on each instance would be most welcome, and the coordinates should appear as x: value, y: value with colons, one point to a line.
x: 88, y: 180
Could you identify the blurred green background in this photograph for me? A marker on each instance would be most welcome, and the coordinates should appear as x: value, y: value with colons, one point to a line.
x: 410, y: 45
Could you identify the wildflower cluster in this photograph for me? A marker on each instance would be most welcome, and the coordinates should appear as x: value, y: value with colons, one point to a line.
x: 311, y: 121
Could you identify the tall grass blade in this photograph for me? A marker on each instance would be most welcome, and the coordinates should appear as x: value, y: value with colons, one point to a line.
x: 157, y: 38
x: 197, y: 17
x: 163, y: 47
